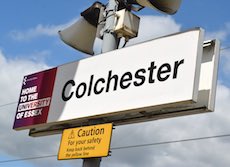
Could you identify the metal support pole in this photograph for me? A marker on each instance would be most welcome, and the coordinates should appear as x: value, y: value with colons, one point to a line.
x: 110, y: 42
x: 92, y: 162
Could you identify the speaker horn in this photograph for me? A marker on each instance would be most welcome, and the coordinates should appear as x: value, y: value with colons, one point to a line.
x: 81, y: 35
x: 165, y: 6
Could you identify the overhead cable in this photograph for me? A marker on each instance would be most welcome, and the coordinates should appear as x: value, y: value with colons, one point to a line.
x: 127, y: 147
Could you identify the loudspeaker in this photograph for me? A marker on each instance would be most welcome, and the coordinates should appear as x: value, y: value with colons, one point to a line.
x: 80, y: 36
x: 166, y: 6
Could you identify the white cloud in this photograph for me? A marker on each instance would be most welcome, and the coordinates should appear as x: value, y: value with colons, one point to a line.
x: 225, y: 61
x: 39, y: 30
x: 155, y: 26
x: 18, y: 144
x: 151, y: 27
x: 221, y: 34
x: 12, y: 72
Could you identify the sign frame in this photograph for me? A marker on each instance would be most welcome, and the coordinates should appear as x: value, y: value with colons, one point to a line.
x: 206, y: 64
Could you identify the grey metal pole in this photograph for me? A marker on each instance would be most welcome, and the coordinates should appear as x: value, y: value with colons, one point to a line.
x: 92, y: 162
x: 110, y: 42
x: 110, y: 39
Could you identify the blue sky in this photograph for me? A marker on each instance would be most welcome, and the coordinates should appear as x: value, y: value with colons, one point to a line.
x: 29, y: 42
x: 20, y: 18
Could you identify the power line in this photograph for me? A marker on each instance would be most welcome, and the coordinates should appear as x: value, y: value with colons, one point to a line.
x: 27, y: 159
x: 225, y: 48
x: 127, y: 147
x: 8, y: 104
x: 171, y: 142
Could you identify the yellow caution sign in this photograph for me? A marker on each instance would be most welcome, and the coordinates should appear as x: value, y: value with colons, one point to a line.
x: 85, y: 142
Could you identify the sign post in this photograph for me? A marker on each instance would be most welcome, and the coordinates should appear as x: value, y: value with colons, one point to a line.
x: 110, y: 42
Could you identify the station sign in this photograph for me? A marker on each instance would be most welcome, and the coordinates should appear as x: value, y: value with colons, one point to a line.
x: 166, y: 77
x: 85, y: 142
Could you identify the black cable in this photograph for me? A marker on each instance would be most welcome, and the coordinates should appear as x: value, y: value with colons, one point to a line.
x: 228, y: 47
x: 170, y: 142
x: 7, y: 104
x: 27, y: 159
x: 127, y: 147
x: 126, y: 41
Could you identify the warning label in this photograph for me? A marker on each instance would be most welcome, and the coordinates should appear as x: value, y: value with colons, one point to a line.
x: 85, y: 142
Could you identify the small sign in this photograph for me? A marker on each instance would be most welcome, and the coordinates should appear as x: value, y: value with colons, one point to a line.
x: 85, y: 142
x: 35, y: 98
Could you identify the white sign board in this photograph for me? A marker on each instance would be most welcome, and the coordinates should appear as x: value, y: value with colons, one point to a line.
x: 137, y: 83
x: 154, y: 73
